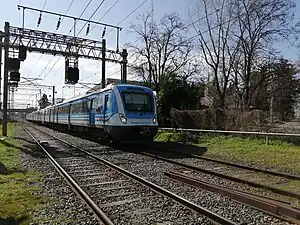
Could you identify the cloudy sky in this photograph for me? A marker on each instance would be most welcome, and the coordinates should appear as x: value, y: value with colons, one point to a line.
x: 50, y: 69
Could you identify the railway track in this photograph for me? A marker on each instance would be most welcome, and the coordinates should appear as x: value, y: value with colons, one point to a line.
x: 237, y: 165
x: 278, y: 209
x: 117, y: 196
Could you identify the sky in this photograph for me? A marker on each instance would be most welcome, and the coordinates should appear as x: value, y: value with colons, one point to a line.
x: 50, y: 69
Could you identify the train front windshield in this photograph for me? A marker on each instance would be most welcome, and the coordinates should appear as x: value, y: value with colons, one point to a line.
x: 138, y: 102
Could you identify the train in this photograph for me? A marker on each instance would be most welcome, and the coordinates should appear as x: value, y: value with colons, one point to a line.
x: 118, y: 113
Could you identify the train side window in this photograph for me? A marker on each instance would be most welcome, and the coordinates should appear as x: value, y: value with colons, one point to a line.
x: 85, y: 106
x: 97, y: 103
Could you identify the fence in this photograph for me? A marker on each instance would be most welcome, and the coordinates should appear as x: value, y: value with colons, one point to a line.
x: 266, y: 134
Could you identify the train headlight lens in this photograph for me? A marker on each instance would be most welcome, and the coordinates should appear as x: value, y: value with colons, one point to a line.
x: 154, y: 120
x: 123, y: 118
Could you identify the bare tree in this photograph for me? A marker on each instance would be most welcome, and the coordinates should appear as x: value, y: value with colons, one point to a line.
x: 257, y: 25
x: 164, y: 48
x: 218, y: 48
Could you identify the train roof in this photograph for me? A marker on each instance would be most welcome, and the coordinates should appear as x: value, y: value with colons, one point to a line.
x: 108, y: 87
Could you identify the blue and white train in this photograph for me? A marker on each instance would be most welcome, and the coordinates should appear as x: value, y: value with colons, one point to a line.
x: 122, y: 113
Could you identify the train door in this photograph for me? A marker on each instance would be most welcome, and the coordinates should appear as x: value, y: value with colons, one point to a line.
x: 69, y: 113
x: 57, y: 111
x: 92, y: 112
x: 106, y: 99
x: 50, y: 115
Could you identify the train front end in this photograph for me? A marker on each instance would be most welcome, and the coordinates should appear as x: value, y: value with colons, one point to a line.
x: 137, y: 117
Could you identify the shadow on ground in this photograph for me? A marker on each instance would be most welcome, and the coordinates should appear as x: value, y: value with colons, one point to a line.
x: 11, y: 221
x: 167, y: 150
x: 5, y: 171
x: 24, y: 140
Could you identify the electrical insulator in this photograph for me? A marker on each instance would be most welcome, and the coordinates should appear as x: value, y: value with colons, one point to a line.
x: 87, y: 29
x: 103, y: 33
x: 58, y: 23
x: 39, y: 20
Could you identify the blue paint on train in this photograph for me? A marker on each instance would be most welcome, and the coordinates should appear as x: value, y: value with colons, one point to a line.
x: 122, y: 110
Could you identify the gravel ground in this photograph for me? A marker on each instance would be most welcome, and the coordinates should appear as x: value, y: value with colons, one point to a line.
x: 63, y: 207
x: 143, y: 206
x: 153, y: 169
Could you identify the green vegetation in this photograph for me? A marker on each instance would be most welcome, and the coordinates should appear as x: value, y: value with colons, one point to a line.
x: 277, y: 153
x: 170, y: 137
x: 16, y: 196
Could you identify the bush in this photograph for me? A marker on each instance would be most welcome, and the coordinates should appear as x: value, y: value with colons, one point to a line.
x: 194, y: 119
x: 207, y: 119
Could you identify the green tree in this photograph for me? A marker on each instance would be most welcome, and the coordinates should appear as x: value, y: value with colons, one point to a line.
x: 44, y: 102
x: 276, y: 86
x: 177, y: 92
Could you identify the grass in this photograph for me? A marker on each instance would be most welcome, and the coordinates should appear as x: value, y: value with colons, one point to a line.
x: 280, y: 154
x: 170, y: 137
x: 277, y: 153
x: 17, y: 198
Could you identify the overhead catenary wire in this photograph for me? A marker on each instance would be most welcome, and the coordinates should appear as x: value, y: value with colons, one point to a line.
x: 126, y: 17
x: 42, y: 55
x: 83, y: 11
x: 101, y: 3
x: 68, y: 34
x: 44, y: 4
x: 113, y: 5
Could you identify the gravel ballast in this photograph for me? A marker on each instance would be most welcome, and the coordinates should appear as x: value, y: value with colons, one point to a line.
x: 152, y: 170
x: 63, y: 205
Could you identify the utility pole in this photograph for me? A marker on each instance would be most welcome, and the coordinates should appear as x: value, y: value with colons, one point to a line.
x: 5, y: 85
x: 124, y: 67
x: 103, y: 63
x: 0, y: 68
x: 53, y: 95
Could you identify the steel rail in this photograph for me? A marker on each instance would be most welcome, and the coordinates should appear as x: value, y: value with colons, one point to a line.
x: 97, y: 211
x: 273, y: 189
x: 209, y: 214
x: 279, y: 174
x: 271, y: 206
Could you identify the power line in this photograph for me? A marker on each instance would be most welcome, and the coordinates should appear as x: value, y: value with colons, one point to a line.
x: 32, y: 69
x: 68, y: 9
x: 217, y: 10
x: 132, y: 12
x: 216, y: 26
x: 105, y: 14
x: 42, y: 55
x: 69, y: 6
x: 80, y: 15
x: 68, y: 34
x: 44, y: 4
x: 126, y: 17
x: 91, y: 17
x: 50, y: 70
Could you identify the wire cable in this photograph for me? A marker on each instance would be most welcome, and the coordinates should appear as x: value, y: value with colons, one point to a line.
x: 42, y: 55
x: 67, y: 9
x: 80, y: 15
x: 105, y: 14
x: 45, y: 4
x: 68, y: 34
x: 91, y: 16
x: 126, y: 17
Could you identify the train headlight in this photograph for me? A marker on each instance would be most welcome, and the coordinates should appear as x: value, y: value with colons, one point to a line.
x: 123, y: 118
x: 154, y: 120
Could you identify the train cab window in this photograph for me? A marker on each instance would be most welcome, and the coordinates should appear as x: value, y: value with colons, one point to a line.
x: 138, y: 102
